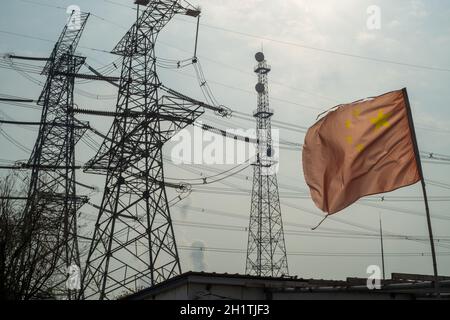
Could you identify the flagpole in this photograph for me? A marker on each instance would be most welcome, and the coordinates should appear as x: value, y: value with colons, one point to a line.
x: 424, y: 190
x: 382, y: 249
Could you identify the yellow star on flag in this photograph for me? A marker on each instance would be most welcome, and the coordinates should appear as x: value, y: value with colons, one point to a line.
x: 356, y: 112
x: 381, y: 120
x: 348, y: 124
x: 360, y: 147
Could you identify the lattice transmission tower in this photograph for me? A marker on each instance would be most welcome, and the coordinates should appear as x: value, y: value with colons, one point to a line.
x: 133, y: 244
x: 266, y: 250
x: 52, y: 202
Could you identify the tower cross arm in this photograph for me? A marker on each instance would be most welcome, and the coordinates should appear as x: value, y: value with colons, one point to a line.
x: 183, y: 99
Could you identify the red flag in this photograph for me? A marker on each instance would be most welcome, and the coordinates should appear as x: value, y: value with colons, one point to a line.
x: 359, y: 149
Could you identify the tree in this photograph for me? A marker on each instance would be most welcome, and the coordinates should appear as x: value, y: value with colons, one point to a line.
x: 10, y: 238
x: 23, y: 246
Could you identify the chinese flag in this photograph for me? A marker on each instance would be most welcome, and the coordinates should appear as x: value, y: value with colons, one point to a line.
x: 360, y: 149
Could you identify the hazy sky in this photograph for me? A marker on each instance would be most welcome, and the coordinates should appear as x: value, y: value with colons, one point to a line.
x: 304, y: 81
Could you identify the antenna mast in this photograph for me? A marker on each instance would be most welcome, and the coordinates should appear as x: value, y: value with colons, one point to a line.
x: 266, y: 250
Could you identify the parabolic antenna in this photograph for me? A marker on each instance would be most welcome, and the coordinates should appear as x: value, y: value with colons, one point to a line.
x: 260, y: 87
x: 259, y: 57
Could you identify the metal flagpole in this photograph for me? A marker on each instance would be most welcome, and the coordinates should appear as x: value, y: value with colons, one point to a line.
x: 424, y: 190
x: 382, y: 249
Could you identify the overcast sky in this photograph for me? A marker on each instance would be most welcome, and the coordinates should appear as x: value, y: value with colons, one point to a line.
x: 318, y: 51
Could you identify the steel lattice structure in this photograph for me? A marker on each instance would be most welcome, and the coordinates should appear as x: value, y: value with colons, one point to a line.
x: 52, y: 202
x: 266, y: 250
x: 133, y: 244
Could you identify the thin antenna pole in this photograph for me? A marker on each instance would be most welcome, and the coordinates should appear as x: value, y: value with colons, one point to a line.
x: 424, y: 190
x: 382, y: 249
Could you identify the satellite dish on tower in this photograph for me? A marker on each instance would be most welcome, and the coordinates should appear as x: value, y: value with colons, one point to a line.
x: 259, y: 57
x: 260, y: 88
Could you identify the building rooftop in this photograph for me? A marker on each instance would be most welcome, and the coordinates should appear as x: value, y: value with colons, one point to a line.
x: 202, y: 285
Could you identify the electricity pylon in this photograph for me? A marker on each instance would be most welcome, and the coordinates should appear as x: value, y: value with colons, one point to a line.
x: 266, y: 250
x: 52, y: 204
x: 133, y: 244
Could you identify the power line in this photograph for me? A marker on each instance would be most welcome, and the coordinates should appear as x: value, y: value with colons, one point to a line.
x: 251, y: 92
x: 222, y: 84
x: 303, y: 209
x: 14, y: 141
x: 338, y: 234
x: 241, y: 117
x: 106, y: 20
x: 282, y: 125
x: 370, y: 199
x: 17, y: 34
x: 334, y: 52
x: 308, y: 47
x: 320, y: 254
x: 301, y: 253
x: 47, y: 40
x: 328, y: 51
